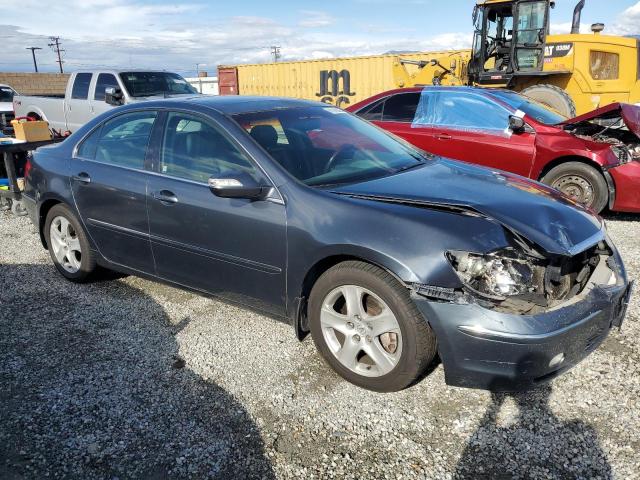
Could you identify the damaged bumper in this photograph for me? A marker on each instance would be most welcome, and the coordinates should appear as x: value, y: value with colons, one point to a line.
x: 488, y: 349
x: 627, y: 187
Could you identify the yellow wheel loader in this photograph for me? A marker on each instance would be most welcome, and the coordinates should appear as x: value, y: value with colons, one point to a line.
x: 512, y: 48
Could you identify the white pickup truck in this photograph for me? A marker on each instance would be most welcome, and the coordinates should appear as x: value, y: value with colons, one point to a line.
x: 91, y: 93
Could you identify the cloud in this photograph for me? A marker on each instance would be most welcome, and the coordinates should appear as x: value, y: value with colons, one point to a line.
x: 628, y: 22
x: 315, y: 19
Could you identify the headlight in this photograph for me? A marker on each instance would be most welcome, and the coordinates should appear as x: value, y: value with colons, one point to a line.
x: 495, y: 276
x: 622, y: 153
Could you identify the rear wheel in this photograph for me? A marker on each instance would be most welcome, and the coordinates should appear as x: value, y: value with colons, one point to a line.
x: 553, y: 97
x: 368, y: 329
x: 583, y: 183
x: 68, y: 244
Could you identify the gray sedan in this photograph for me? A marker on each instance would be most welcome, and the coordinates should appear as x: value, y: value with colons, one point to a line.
x: 386, y: 254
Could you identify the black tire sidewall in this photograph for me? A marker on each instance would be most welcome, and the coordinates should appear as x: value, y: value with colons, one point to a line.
x: 590, y: 174
x: 407, y: 369
x: 87, y: 262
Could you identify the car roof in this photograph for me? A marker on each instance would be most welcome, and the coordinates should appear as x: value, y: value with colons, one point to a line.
x: 228, y: 104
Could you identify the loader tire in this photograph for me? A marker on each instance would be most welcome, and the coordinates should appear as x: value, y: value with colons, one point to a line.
x: 553, y: 97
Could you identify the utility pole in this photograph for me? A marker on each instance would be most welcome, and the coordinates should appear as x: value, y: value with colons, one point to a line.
x: 33, y: 54
x: 55, y: 46
x: 275, y: 51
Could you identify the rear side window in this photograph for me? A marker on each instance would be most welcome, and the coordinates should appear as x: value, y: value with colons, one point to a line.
x: 401, y: 107
x: 87, y: 148
x: 81, y: 84
x: 105, y: 80
x: 604, y: 65
x: 373, y: 112
x: 124, y: 139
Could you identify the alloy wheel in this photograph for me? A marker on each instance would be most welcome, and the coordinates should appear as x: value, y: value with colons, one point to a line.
x: 361, y: 330
x: 65, y: 244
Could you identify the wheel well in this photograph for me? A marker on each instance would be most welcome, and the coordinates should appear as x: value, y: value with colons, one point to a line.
x: 34, y: 115
x: 42, y: 216
x: 558, y: 161
x: 300, y: 315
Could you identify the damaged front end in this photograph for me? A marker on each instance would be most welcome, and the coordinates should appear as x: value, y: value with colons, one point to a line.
x: 522, y: 315
x: 617, y: 125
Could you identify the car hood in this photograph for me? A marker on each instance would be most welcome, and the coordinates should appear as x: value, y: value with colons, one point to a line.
x: 630, y: 114
x: 540, y: 214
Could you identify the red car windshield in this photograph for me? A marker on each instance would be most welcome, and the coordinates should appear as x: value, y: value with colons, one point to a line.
x: 539, y: 112
x: 327, y: 146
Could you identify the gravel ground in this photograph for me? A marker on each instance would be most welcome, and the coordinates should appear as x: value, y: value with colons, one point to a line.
x: 126, y: 378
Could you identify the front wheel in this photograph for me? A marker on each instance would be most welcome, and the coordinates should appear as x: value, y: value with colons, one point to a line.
x: 581, y: 182
x: 368, y: 329
x: 68, y: 244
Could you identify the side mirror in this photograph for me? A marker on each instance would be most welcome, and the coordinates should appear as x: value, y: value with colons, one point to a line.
x: 516, y: 124
x: 246, y: 188
x: 113, y: 96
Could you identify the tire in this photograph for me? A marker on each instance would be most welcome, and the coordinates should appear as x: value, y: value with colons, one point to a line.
x: 553, y: 97
x: 576, y: 179
x: 380, y: 298
x: 79, y: 261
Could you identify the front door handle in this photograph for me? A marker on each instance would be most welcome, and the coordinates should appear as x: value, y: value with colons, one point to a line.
x: 165, y: 196
x: 82, y: 177
x: 443, y: 136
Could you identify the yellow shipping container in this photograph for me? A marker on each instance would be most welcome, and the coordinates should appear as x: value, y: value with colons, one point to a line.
x: 339, y: 81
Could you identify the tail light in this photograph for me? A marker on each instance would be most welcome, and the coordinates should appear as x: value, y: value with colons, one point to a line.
x: 27, y: 167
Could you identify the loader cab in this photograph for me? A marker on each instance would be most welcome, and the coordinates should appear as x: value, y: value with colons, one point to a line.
x: 509, y: 39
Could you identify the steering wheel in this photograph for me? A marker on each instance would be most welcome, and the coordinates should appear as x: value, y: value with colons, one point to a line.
x: 339, y: 155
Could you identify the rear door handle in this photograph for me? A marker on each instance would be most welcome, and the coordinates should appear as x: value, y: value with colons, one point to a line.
x: 443, y: 136
x: 82, y: 177
x: 165, y: 196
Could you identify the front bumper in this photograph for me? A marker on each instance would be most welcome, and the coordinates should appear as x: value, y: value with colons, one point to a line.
x: 627, y: 184
x: 481, y: 348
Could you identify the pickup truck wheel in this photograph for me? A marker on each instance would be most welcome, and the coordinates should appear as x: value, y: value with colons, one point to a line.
x: 68, y: 245
x: 583, y: 183
x: 368, y: 329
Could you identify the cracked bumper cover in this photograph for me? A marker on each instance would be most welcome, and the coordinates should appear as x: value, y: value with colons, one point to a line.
x: 482, y: 348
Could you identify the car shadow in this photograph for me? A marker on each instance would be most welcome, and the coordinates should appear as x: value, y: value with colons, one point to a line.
x: 534, y: 444
x: 92, y: 386
x: 620, y: 216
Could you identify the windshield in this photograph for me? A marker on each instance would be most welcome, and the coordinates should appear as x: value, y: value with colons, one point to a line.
x: 324, y: 146
x: 6, y: 94
x: 147, y: 84
x: 539, y: 112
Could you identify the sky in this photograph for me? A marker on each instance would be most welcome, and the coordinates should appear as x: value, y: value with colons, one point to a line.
x: 179, y: 35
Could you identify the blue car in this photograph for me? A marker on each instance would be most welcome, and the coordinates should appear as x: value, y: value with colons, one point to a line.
x: 387, y: 255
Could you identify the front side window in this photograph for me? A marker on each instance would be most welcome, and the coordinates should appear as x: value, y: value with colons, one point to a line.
x: 81, y: 84
x: 328, y: 146
x: 604, y: 65
x: 124, y: 139
x: 464, y: 110
x: 194, y: 149
x: 105, y: 80
x: 149, y: 84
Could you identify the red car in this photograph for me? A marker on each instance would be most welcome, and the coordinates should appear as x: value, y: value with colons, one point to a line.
x: 593, y: 158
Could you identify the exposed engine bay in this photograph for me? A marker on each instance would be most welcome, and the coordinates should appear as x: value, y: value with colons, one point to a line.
x: 613, y: 131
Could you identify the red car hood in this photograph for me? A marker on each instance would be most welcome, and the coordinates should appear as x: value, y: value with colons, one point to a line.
x: 630, y: 114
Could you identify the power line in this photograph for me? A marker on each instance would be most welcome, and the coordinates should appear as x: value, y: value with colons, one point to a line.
x: 55, y: 46
x: 33, y: 54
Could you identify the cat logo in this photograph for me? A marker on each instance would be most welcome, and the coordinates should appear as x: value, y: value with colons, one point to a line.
x: 557, y: 50
x: 330, y: 91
